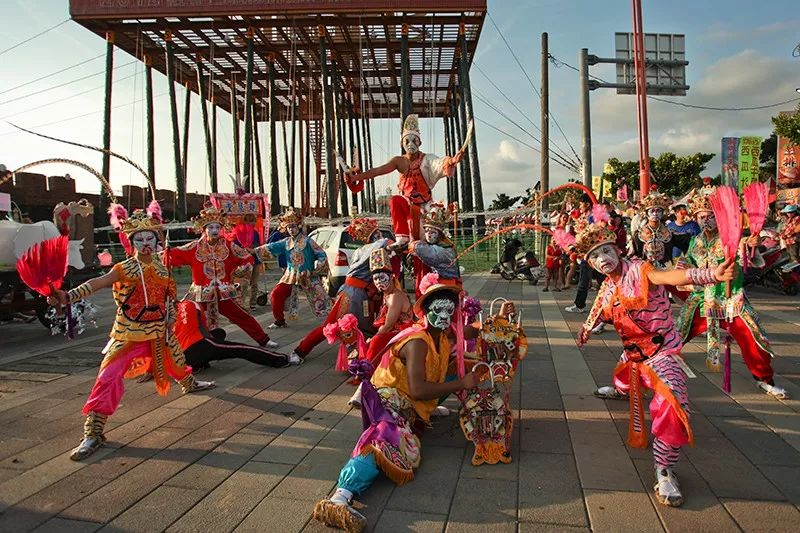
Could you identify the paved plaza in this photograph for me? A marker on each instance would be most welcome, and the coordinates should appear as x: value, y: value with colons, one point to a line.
x: 257, y: 452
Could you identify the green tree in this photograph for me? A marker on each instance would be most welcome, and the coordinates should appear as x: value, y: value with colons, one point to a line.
x: 504, y: 201
x: 769, y: 153
x: 674, y: 175
x: 788, y: 125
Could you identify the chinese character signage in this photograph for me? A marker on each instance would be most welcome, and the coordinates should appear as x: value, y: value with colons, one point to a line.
x: 599, y: 182
x: 730, y: 161
x: 788, y: 168
x: 749, y: 153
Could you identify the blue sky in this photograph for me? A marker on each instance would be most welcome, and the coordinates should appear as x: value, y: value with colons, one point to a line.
x: 740, y: 55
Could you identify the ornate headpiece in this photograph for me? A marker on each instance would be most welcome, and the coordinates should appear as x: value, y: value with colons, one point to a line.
x: 655, y: 200
x: 290, y: 216
x: 379, y: 261
x: 209, y: 215
x: 361, y: 229
x: 141, y: 219
x: 593, y: 236
x: 411, y: 127
x: 437, y: 215
x: 701, y: 200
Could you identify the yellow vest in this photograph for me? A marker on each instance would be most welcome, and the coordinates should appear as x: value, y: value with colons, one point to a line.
x: 395, y: 374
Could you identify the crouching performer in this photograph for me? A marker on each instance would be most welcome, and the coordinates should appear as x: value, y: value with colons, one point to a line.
x: 634, y: 299
x: 140, y: 340
x: 398, y: 401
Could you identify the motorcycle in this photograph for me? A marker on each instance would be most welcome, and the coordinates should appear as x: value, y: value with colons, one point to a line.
x: 778, y: 273
x: 518, y: 264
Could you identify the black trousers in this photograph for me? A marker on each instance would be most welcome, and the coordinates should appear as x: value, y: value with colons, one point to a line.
x: 216, y: 348
x: 585, y: 277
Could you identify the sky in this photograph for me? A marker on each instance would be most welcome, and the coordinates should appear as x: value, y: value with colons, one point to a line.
x: 739, y: 53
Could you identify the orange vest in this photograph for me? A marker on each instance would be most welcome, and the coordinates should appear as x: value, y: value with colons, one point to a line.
x: 413, y: 185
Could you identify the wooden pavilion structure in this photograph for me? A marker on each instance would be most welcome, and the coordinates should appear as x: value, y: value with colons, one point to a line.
x: 326, y: 66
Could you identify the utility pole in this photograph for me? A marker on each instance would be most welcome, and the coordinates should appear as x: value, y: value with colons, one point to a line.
x: 545, y: 125
x: 586, y: 126
x: 641, y: 99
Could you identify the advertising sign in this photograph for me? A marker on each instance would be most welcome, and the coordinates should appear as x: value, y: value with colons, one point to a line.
x: 730, y: 161
x: 787, y: 159
x: 749, y: 153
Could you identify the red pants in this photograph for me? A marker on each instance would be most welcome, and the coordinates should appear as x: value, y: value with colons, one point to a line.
x: 234, y: 312
x: 758, y: 361
x: 278, y: 298
x: 405, y: 217
x: 316, y: 336
x: 377, y: 344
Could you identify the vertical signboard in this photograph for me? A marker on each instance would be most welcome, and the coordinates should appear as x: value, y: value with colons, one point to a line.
x: 749, y: 153
x: 730, y: 161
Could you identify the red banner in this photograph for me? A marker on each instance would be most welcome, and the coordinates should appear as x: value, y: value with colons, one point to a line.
x: 788, y: 160
x: 83, y: 9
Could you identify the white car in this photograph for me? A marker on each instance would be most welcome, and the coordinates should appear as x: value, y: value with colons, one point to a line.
x: 339, y: 247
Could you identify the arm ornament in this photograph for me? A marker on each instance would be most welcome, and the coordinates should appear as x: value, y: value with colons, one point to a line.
x: 79, y: 293
x: 701, y: 276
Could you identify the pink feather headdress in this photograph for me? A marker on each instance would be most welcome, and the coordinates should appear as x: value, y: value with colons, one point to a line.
x: 346, y: 331
x: 564, y: 239
x: 600, y: 213
x: 756, y: 201
x: 154, y: 211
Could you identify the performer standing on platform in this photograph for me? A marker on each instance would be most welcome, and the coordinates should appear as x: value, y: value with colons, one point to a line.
x: 306, y: 263
x: 708, y: 308
x: 398, y: 401
x: 213, y: 261
x: 419, y: 173
x: 140, y: 340
x: 353, y: 296
x: 633, y: 298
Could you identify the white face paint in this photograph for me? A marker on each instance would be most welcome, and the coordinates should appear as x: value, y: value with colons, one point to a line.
x: 212, y: 230
x: 655, y: 213
x: 294, y: 230
x: 376, y: 236
x: 440, y: 313
x: 432, y: 235
x: 604, y: 259
x: 144, y: 242
x: 706, y: 220
x: 411, y: 144
x: 382, y: 280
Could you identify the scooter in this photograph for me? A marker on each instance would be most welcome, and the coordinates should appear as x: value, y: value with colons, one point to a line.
x: 778, y: 273
x: 525, y: 266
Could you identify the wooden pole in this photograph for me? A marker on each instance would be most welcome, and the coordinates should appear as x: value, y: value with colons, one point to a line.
x: 107, y: 115
x: 248, y: 114
x: 275, y: 187
x: 201, y: 85
x: 187, y: 107
x: 235, y: 128
x: 151, y: 142
x: 180, y: 182
x: 327, y: 125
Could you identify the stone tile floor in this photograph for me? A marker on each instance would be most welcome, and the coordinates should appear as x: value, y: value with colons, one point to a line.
x: 258, y: 451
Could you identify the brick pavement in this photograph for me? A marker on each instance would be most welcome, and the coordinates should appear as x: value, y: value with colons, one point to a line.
x: 255, y: 453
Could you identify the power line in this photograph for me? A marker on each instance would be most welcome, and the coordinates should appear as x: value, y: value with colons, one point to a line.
x: 65, y: 98
x: 51, y: 74
x: 532, y: 147
x: 514, y: 55
x: 555, y: 156
x: 63, y: 84
x: 34, y: 36
x: 489, y: 79
x: 75, y: 117
x: 558, y: 63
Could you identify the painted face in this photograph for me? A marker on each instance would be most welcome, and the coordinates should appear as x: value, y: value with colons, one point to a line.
x: 411, y: 144
x: 440, y: 313
x: 655, y: 213
x: 604, y: 259
x: 212, y: 230
x: 376, y: 236
x: 294, y: 230
x: 382, y: 280
x: 144, y: 242
x: 707, y: 221
x: 432, y: 235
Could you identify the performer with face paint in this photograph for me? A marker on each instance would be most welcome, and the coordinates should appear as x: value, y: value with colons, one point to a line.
x: 419, y: 173
x: 653, y: 241
x: 436, y: 251
x: 306, y: 263
x: 634, y: 299
x: 140, y: 340
x: 398, y: 401
x: 707, y: 309
x: 353, y: 296
x: 213, y: 260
